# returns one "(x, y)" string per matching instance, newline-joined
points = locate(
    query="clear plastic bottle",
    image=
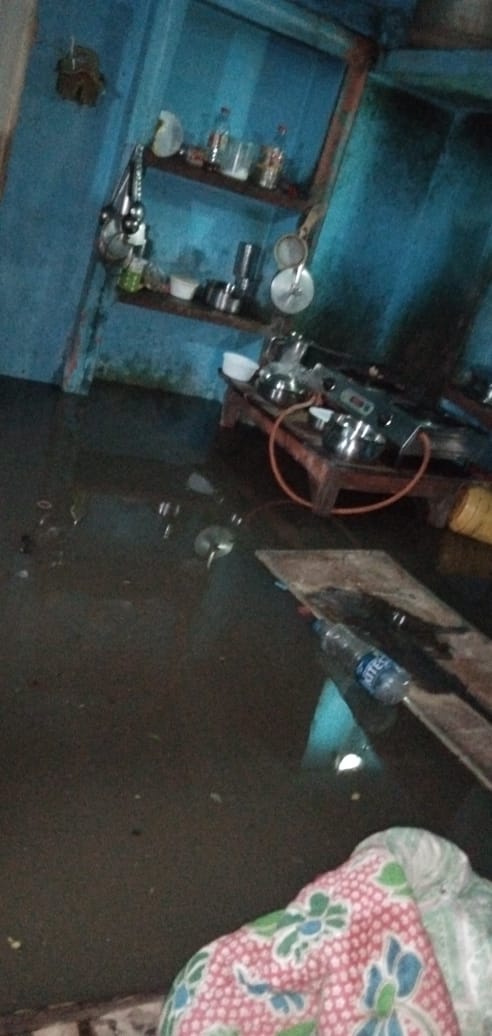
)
(218, 137)
(380, 675)
(271, 160)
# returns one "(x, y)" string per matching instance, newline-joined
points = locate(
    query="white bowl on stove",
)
(319, 417)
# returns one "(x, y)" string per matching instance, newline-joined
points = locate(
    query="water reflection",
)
(339, 734)
(350, 761)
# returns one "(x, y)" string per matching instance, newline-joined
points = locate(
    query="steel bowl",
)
(221, 295)
(287, 348)
(352, 440)
(282, 386)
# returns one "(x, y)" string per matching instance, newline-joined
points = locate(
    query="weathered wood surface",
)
(177, 166)
(80, 1019)
(18, 25)
(464, 730)
(192, 310)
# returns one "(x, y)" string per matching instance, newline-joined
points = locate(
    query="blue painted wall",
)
(479, 345)
(401, 262)
(66, 159)
(405, 249)
(195, 230)
(388, 167)
(387, 21)
(63, 159)
(443, 276)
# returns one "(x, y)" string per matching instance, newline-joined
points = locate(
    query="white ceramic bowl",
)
(182, 287)
(239, 367)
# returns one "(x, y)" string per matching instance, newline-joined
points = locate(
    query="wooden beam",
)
(18, 26)
(361, 60)
(20, 1023)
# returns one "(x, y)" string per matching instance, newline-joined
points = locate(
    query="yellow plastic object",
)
(472, 514)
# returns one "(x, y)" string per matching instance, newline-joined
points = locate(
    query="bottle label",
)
(372, 666)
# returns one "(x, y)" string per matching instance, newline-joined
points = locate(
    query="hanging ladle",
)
(295, 289)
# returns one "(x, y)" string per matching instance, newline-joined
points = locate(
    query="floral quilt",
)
(350, 956)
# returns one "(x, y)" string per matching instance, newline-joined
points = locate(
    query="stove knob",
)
(385, 418)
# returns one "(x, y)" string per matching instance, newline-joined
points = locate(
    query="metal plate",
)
(290, 291)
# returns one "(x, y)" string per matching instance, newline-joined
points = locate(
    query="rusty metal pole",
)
(360, 59)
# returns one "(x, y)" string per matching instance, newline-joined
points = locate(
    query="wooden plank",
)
(480, 411)
(343, 118)
(176, 166)
(163, 303)
(465, 731)
(30, 1021)
(18, 24)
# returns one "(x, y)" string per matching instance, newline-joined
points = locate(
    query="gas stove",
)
(400, 419)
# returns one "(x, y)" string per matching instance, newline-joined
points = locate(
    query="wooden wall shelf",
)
(177, 166)
(164, 303)
(481, 411)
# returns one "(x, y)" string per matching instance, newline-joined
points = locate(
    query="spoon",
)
(213, 542)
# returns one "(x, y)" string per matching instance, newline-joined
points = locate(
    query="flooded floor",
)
(170, 743)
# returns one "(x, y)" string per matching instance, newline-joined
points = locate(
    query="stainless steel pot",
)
(284, 386)
(352, 440)
(220, 295)
(288, 348)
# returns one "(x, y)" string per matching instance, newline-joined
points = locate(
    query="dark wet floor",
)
(164, 777)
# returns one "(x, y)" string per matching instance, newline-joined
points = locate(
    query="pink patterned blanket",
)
(348, 957)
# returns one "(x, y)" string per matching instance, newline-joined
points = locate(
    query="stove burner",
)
(400, 418)
(374, 377)
(427, 416)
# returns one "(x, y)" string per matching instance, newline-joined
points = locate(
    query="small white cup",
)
(182, 287)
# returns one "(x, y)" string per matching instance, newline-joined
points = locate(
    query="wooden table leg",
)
(324, 491)
(231, 409)
(440, 507)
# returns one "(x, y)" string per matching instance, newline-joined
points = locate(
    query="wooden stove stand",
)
(326, 475)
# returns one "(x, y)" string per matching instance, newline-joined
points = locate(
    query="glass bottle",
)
(271, 161)
(218, 137)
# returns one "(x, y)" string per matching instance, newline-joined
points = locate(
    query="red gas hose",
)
(366, 508)
(271, 452)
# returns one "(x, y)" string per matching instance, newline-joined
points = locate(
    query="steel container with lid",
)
(286, 348)
(284, 385)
